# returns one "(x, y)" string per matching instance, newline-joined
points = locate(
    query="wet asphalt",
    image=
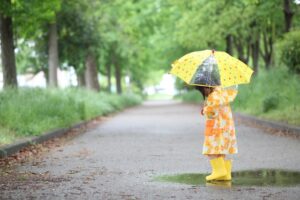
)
(120, 158)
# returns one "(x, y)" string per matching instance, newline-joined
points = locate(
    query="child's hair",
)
(201, 90)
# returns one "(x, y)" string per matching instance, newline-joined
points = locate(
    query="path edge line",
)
(286, 128)
(15, 147)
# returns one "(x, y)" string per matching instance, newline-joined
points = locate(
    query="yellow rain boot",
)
(218, 169)
(227, 177)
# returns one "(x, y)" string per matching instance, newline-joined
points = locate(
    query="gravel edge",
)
(10, 149)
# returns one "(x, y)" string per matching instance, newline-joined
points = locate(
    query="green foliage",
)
(191, 96)
(143, 36)
(272, 95)
(129, 38)
(34, 111)
(31, 57)
(76, 34)
(289, 48)
(179, 84)
(270, 102)
(30, 16)
(6, 136)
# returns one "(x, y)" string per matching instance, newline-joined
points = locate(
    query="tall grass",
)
(273, 95)
(26, 112)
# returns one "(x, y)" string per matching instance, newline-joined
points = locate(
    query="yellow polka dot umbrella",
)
(211, 68)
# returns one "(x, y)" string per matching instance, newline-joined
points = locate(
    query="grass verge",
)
(30, 112)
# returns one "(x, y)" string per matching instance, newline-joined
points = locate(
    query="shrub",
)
(191, 96)
(272, 94)
(270, 103)
(289, 50)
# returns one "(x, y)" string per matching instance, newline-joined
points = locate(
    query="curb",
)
(289, 129)
(10, 149)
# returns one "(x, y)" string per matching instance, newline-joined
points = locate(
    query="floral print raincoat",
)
(219, 131)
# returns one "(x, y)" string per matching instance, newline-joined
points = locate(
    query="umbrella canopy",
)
(211, 68)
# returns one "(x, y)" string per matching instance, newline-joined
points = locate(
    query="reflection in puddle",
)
(264, 177)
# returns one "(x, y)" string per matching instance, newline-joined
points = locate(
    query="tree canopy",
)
(138, 39)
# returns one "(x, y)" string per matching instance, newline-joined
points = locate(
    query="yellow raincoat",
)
(219, 131)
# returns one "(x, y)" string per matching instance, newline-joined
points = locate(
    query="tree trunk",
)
(288, 14)
(248, 51)
(240, 50)
(118, 75)
(7, 51)
(53, 55)
(268, 49)
(229, 48)
(45, 70)
(254, 45)
(108, 71)
(91, 73)
(255, 54)
(80, 78)
(108, 65)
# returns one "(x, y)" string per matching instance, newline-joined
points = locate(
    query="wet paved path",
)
(119, 158)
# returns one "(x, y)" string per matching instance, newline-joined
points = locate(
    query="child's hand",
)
(202, 111)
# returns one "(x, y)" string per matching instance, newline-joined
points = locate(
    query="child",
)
(220, 137)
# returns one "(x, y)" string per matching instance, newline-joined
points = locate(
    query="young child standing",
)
(220, 139)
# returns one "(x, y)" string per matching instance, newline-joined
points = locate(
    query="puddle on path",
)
(263, 177)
